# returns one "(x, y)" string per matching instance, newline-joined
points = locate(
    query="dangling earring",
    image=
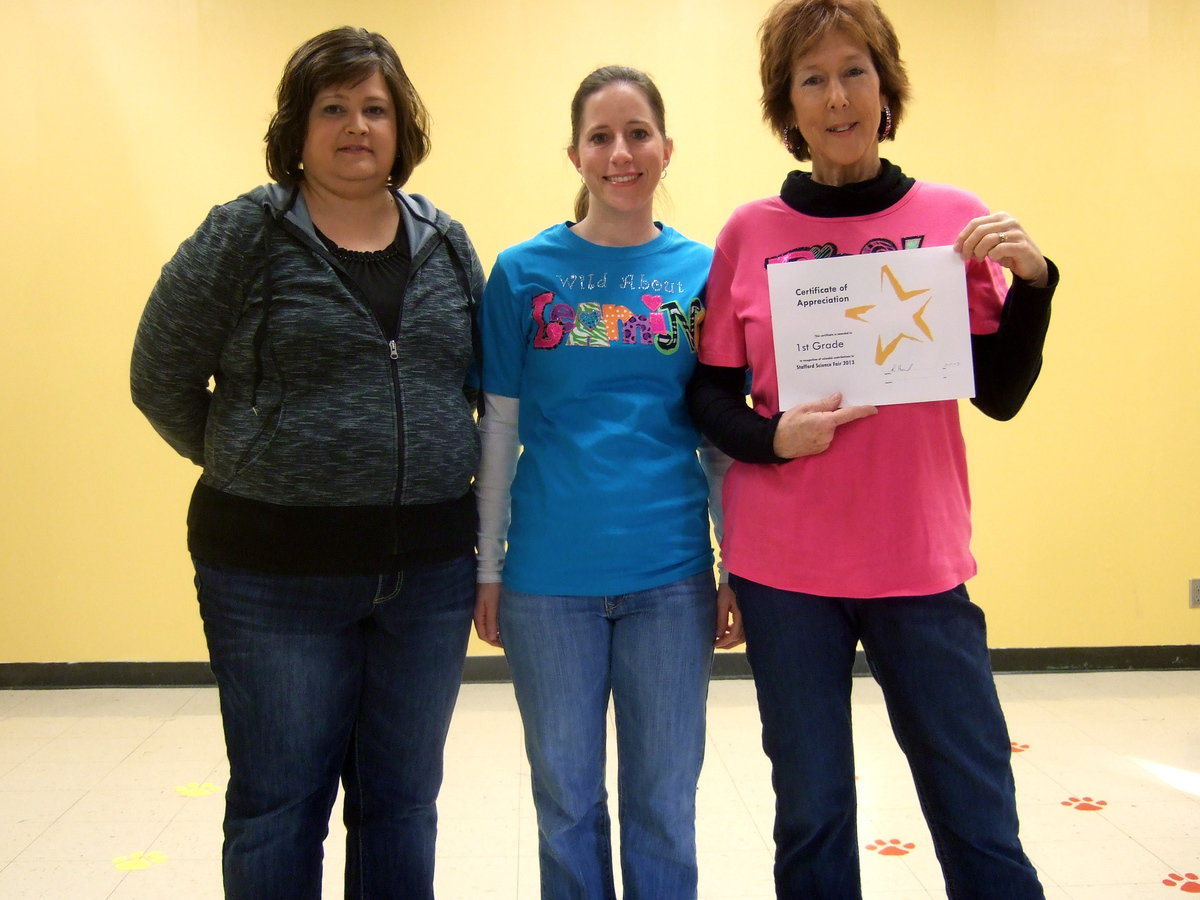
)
(664, 171)
(885, 123)
(792, 139)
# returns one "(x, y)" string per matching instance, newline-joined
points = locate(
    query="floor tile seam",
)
(930, 889)
(1117, 830)
(117, 887)
(1102, 737)
(4, 772)
(17, 855)
(25, 697)
(83, 792)
(767, 840)
(151, 846)
(1041, 770)
(39, 742)
(1191, 866)
(1109, 879)
(711, 749)
(1047, 881)
(1136, 782)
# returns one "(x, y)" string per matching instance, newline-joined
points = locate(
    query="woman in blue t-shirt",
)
(590, 471)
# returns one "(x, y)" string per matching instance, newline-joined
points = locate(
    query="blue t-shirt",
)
(598, 344)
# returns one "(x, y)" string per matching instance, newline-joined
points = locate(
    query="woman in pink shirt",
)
(849, 524)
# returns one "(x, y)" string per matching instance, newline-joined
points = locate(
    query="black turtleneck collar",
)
(862, 198)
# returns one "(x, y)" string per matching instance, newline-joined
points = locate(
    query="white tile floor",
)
(117, 793)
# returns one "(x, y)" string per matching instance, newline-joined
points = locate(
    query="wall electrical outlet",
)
(1194, 593)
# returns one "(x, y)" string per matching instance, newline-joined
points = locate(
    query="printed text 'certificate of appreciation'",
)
(881, 328)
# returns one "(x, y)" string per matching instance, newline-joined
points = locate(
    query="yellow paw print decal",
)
(196, 789)
(139, 860)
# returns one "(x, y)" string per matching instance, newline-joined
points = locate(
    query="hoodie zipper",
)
(392, 343)
(417, 261)
(394, 353)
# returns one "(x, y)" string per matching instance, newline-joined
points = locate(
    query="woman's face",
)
(350, 144)
(621, 152)
(837, 104)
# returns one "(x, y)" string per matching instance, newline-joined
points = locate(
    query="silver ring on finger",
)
(1003, 237)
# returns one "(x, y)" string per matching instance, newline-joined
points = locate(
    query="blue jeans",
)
(930, 657)
(652, 650)
(324, 678)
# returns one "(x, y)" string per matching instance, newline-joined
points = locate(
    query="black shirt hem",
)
(225, 529)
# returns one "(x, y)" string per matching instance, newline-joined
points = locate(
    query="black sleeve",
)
(1007, 362)
(716, 398)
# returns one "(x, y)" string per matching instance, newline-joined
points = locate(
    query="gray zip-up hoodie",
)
(312, 404)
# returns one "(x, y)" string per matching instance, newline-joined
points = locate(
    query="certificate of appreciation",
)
(881, 328)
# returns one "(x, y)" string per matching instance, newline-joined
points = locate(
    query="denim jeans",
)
(930, 657)
(324, 678)
(652, 650)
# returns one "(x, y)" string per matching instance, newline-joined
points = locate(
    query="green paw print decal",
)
(197, 789)
(139, 860)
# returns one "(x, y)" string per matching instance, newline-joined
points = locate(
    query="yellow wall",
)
(125, 120)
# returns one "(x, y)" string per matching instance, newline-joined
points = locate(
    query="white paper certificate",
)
(881, 328)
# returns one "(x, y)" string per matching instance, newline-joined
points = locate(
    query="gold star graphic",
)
(859, 314)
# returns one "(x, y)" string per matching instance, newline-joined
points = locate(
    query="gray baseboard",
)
(482, 669)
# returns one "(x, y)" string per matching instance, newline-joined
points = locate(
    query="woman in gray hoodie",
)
(333, 525)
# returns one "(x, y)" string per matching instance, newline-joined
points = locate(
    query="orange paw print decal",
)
(891, 848)
(1085, 804)
(1019, 748)
(1189, 883)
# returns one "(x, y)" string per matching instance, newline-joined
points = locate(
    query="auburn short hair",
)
(342, 56)
(793, 27)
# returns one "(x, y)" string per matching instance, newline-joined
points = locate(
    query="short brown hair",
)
(793, 27)
(342, 56)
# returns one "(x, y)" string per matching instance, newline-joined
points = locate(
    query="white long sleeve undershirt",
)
(493, 483)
